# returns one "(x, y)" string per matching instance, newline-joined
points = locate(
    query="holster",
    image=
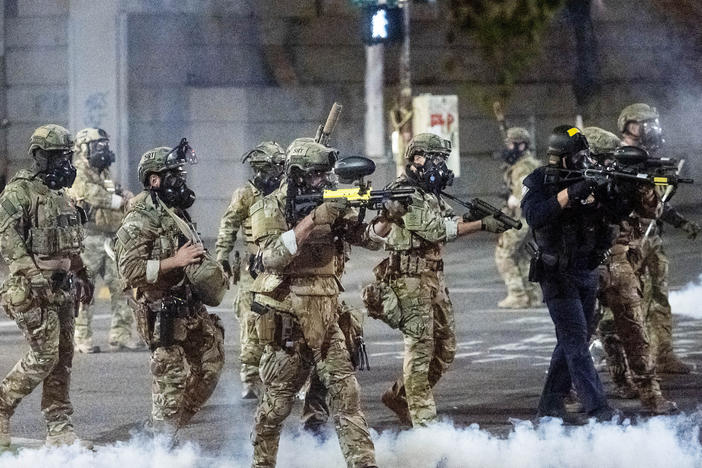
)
(536, 268)
(61, 280)
(276, 327)
(143, 319)
(171, 308)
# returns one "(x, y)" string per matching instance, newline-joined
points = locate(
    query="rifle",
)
(633, 158)
(350, 169)
(324, 132)
(479, 209)
(610, 174)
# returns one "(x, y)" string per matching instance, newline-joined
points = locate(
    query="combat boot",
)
(65, 438)
(518, 300)
(127, 345)
(5, 438)
(652, 399)
(669, 363)
(398, 407)
(86, 348)
(535, 299)
(626, 391)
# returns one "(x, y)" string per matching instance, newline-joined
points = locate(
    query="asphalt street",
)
(498, 373)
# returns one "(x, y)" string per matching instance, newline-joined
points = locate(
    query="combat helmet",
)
(85, 136)
(600, 140)
(164, 158)
(50, 137)
(638, 112)
(264, 154)
(429, 143)
(568, 143)
(518, 135)
(306, 155)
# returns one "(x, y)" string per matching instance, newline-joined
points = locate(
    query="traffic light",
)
(381, 24)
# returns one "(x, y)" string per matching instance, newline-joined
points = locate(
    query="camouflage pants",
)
(512, 261)
(185, 374)
(659, 316)
(284, 372)
(622, 294)
(49, 332)
(251, 349)
(428, 327)
(99, 264)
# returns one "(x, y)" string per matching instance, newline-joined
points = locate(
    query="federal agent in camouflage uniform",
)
(159, 253)
(623, 330)
(410, 292)
(40, 240)
(639, 126)
(296, 296)
(267, 161)
(511, 257)
(104, 204)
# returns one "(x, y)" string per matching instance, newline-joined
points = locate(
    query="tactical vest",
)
(56, 227)
(247, 227)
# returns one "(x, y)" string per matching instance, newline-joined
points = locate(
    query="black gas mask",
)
(54, 168)
(434, 175)
(579, 160)
(512, 154)
(99, 155)
(651, 135)
(267, 177)
(174, 191)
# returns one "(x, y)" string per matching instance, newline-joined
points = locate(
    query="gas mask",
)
(434, 175)
(267, 177)
(314, 181)
(173, 190)
(651, 135)
(512, 154)
(99, 155)
(54, 168)
(580, 160)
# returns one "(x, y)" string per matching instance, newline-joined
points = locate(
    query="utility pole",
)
(401, 114)
(374, 126)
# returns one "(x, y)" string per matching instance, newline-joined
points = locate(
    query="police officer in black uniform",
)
(571, 222)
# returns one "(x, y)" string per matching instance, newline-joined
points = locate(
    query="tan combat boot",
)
(652, 399)
(398, 407)
(669, 363)
(85, 348)
(535, 298)
(517, 300)
(67, 437)
(5, 438)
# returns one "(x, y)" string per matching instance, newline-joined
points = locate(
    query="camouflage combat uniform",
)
(415, 299)
(298, 295)
(511, 257)
(235, 218)
(95, 191)
(40, 240)
(184, 374)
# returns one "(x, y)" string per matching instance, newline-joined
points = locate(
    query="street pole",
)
(402, 113)
(374, 130)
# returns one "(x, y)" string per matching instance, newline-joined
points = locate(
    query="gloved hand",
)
(85, 289)
(393, 210)
(492, 224)
(598, 258)
(691, 228)
(227, 269)
(581, 190)
(329, 211)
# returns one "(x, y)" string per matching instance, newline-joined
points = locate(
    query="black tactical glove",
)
(492, 224)
(597, 258)
(85, 289)
(581, 190)
(691, 228)
(227, 268)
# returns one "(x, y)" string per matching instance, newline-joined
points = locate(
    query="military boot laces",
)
(5, 438)
(66, 438)
(653, 400)
(398, 407)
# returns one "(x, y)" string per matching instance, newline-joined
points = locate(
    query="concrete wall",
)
(228, 74)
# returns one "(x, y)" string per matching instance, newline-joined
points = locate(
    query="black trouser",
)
(570, 298)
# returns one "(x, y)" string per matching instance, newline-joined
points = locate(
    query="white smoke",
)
(661, 441)
(687, 301)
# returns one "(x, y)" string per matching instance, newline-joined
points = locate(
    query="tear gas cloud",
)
(687, 300)
(660, 441)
